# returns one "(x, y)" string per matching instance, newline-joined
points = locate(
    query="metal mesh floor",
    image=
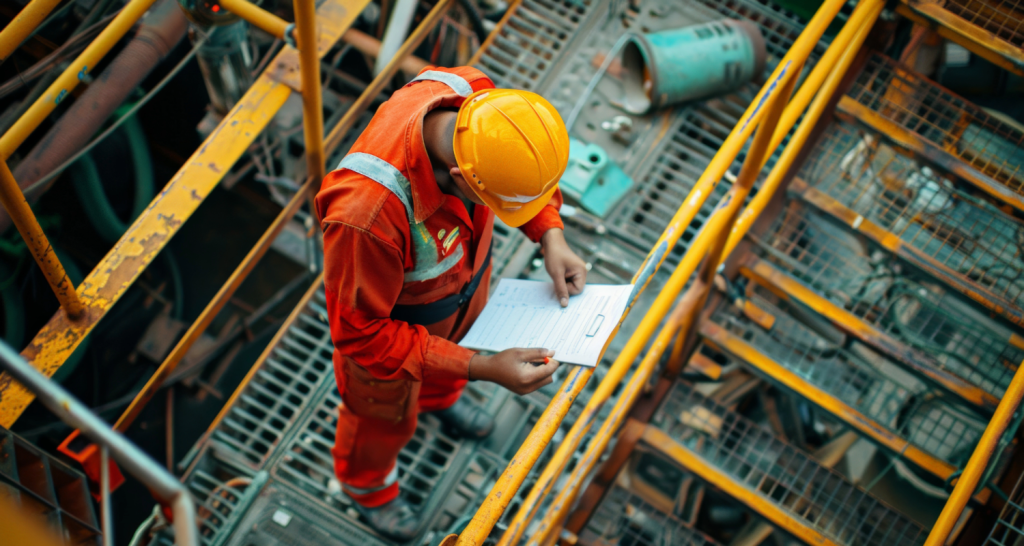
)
(1008, 529)
(990, 145)
(532, 41)
(1003, 18)
(626, 519)
(782, 474)
(282, 388)
(873, 286)
(647, 210)
(862, 379)
(306, 460)
(968, 236)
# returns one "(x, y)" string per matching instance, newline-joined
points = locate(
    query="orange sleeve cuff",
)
(446, 359)
(547, 218)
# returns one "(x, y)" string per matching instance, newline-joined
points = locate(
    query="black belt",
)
(436, 311)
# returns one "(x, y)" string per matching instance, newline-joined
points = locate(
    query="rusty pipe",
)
(158, 34)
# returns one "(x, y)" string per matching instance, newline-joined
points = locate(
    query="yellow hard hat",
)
(512, 148)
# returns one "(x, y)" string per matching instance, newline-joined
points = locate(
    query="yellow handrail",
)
(258, 17)
(77, 71)
(510, 480)
(23, 24)
(692, 301)
(968, 481)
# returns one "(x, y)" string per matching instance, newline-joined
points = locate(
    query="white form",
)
(526, 314)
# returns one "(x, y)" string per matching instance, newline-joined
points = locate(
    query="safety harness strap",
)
(436, 311)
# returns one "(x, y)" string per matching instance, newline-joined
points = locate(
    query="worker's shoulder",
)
(350, 198)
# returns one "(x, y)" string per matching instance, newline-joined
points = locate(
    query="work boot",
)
(467, 419)
(396, 519)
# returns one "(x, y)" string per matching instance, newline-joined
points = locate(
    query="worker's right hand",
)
(521, 371)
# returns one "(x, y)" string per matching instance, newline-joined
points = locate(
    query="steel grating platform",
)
(870, 393)
(980, 147)
(774, 478)
(891, 297)
(918, 212)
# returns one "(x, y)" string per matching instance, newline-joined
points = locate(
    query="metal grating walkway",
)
(531, 42)
(819, 502)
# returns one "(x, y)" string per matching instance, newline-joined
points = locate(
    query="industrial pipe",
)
(77, 71)
(508, 482)
(380, 80)
(23, 24)
(394, 36)
(67, 408)
(370, 46)
(158, 34)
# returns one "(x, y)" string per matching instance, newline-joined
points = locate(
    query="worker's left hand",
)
(567, 270)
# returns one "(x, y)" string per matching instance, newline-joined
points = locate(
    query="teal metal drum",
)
(685, 64)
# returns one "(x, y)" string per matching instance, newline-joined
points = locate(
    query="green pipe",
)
(89, 186)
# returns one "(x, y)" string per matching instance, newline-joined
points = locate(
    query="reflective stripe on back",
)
(383, 173)
(426, 265)
(456, 82)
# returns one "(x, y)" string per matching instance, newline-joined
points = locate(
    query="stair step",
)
(991, 29)
(889, 299)
(913, 358)
(856, 385)
(916, 212)
(955, 134)
(779, 481)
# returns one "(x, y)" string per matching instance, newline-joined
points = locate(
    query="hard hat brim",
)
(520, 216)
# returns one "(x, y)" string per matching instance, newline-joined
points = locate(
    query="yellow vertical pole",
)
(17, 207)
(74, 73)
(23, 24)
(312, 106)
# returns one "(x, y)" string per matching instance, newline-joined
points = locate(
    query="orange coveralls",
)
(391, 237)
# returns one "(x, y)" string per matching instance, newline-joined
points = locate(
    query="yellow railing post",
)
(312, 102)
(23, 24)
(968, 481)
(21, 214)
(77, 71)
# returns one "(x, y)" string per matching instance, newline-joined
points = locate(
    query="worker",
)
(407, 218)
